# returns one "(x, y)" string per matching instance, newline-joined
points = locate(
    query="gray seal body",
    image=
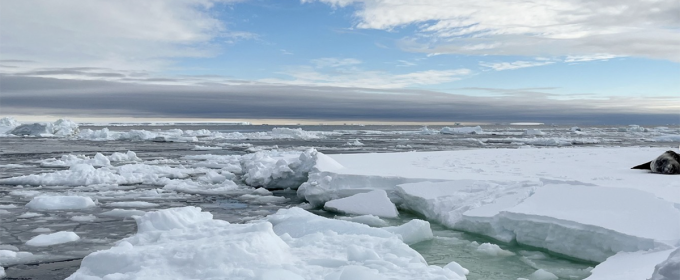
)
(666, 163)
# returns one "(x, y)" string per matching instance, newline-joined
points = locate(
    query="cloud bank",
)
(96, 98)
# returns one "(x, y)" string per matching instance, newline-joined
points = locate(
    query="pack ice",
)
(584, 203)
(293, 244)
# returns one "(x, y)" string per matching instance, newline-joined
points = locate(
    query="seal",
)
(666, 163)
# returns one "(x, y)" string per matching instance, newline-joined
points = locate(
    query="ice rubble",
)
(7, 124)
(584, 203)
(461, 130)
(98, 160)
(185, 243)
(61, 127)
(371, 203)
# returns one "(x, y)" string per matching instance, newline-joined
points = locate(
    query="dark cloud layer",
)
(41, 96)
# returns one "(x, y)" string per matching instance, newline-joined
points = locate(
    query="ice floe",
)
(585, 203)
(185, 243)
(47, 203)
(461, 130)
(371, 203)
(53, 239)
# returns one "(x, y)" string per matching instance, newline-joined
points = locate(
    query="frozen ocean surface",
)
(79, 189)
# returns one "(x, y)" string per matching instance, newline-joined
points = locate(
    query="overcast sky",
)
(556, 61)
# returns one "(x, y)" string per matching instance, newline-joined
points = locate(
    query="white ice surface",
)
(122, 213)
(582, 202)
(52, 239)
(370, 220)
(461, 130)
(134, 204)
(61, 128)
(185, 243)
(627, 265)
(47, 203)
(371, 203)
(668, 269)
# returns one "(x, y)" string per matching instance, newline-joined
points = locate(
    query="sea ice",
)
(492, 250)
(61, 128)
(48, 203)
(133, 204)
(542, 275)
(52, 239)
(413, 231)
(461, 130)
(668, 269)
(274, 169)
(371, 203)
(84, 218)
(369, 220)
(585, 203)
(185, 243)
(122, 213)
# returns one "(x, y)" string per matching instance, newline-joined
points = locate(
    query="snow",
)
(371, 203)
(584, 203)
(185, 243)
(461, 130)
(49, 203)
(52, 239)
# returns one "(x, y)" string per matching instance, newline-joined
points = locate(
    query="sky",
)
(551, 61)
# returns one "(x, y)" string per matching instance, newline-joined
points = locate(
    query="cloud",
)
(354, 77)
(126, 34)
(96, 98)
(532, 28)
(584, 58)
(500, 66)
(334, 62)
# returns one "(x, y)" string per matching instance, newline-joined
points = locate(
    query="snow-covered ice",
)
(585, 203)
(371, 203)
(132, 204)
(47, 203)
(461, 130)
(53, 239)
(185, 243)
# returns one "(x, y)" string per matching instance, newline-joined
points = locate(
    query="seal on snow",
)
(666, 163)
